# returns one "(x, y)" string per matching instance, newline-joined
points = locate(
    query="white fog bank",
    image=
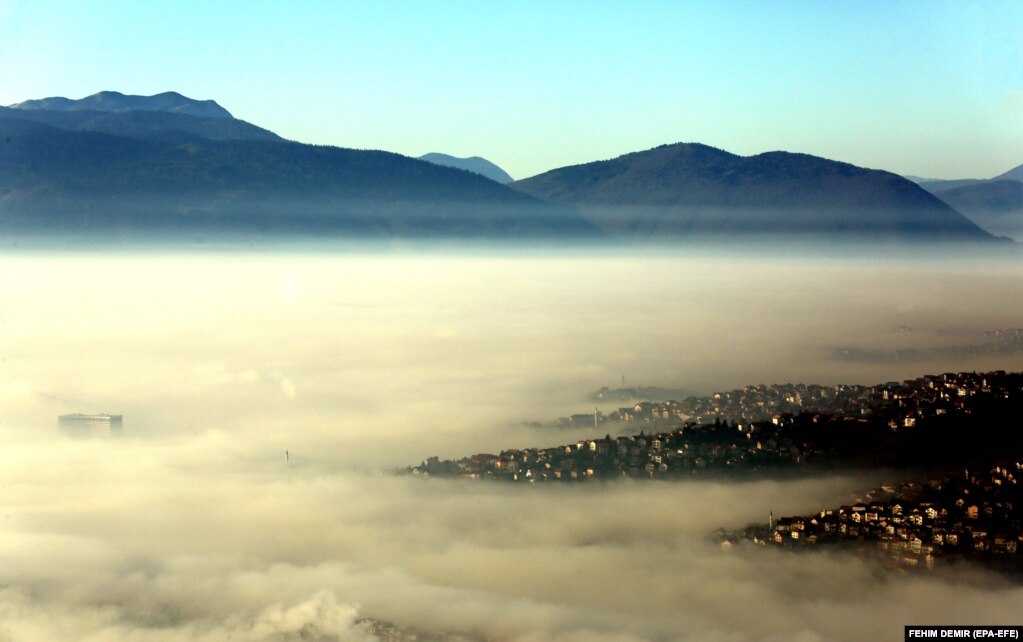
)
(195, 526)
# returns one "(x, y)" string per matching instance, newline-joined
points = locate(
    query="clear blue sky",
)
(926, 88)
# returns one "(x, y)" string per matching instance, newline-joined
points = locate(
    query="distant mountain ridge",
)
(995, 205)
(690, 189)
(64, 181)
(935, 186)
(472, 164)
(168, 116)
(1014, 174)
(938, 184)
(113, 101)
(145, 124)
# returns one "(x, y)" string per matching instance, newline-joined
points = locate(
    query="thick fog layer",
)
(196, 526)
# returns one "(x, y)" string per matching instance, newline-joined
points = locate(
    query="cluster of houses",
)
(814, 436)
(935, 395)
(967, 513)
(686, 450)
(752, 403)
(930, 395)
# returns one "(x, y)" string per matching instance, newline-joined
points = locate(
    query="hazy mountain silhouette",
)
(55, 180)
(471, 164)
(113, 101)
(151, 125)
(995, 205)
(935, 186)
(1015, 174)
(167, 163)
(692, 189)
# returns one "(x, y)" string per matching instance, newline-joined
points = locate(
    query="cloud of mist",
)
(126, 541)
(196, 527)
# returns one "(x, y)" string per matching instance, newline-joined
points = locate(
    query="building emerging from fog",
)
(81, 425)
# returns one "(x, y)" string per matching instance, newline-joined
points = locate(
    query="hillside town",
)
(960, 427)
(969, 513)
(752, 403)
(915, 422)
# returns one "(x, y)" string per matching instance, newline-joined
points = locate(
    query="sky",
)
(930, 89)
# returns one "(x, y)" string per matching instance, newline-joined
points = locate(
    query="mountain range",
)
(166, 164)
(143, 171)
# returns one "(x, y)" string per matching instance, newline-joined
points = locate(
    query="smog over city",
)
(509, 323)
(197, 525)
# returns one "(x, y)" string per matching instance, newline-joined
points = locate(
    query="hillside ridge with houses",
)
(928, 421)
(939, 426)
(973, 513)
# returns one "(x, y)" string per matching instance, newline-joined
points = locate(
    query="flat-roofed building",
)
(82, 425)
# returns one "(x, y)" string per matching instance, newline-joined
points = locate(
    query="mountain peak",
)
(1014, 174)
(475, 164)
(115, 101)
(689, 188)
